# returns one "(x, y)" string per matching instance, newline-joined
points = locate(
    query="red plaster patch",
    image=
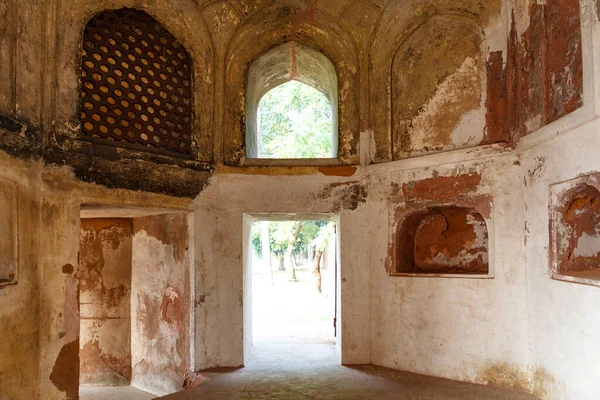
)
(441, 188)
(496, 129)
(65, 373)
(445, 240)
(551, 83)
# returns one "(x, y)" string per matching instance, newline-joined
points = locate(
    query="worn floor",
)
(112, 393)
(297, 370)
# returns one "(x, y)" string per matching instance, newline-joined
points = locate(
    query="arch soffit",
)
(399, 25)
(191, 32)
(273, 68)
(311, 33)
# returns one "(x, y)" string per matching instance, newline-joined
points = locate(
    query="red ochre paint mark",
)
(65, 373)
(307, 15)
(171, 308)
(294, 69)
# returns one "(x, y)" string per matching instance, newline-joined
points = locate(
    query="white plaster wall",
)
(564, 316)
(456, 328)
(219, 216)
(159, 341)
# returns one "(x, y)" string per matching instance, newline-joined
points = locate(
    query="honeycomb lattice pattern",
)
(136, 83)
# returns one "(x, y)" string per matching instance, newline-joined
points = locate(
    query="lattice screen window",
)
(136, 84)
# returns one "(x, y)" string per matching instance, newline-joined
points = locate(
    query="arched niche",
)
(442, 240)
(267, 29)
(437, 82)
(72, 17)
(576, 230)
(286, 62)
(394, 29)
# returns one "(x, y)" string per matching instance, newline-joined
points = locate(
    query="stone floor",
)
(296, 370)
(112, 393)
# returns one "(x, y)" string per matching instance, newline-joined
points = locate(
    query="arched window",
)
(292, 105)
(135, 84)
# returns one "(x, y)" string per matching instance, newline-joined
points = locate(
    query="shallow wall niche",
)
(289, 61)
(437, 87)
(441, 240)
(575, 230)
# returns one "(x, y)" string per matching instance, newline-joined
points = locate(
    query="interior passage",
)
(295, 370)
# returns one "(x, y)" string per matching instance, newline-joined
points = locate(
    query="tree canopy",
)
(295, 121)
(280, 233)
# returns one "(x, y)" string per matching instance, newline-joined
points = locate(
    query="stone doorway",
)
(291, 296)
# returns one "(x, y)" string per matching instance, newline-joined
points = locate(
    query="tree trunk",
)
(281, 262)
(317, 269)
(266, 247)
(290, 250)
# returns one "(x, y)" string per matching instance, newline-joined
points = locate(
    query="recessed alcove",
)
(575, 230)
(445, 240)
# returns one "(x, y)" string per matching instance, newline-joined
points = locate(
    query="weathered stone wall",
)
(563, 309)
(458, 326)
(105, 257)
(19, 302)
(518, 73)
(425, 76)
(59, 323)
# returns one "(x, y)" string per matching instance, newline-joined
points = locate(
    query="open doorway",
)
(291, 283)
(135, 309)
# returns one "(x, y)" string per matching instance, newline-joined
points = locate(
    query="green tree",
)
(295, 121)
(288, 239)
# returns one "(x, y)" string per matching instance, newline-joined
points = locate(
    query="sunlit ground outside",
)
(288, 308)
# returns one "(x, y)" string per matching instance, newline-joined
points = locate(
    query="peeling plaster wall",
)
(563, 315)
(551, 75)
(436, 88)
(521, 329)
(452, 327)
(19, 303)
(105, 299)
(160, 303)
(219, 215)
